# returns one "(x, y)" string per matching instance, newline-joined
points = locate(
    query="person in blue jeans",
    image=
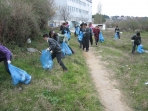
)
(6, 56)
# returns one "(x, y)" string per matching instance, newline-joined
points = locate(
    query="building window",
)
(80, 10)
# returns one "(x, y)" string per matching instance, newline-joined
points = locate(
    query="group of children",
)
(85, 35)
(54, 42)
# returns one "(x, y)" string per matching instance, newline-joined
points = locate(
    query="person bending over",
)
(6, 56)
(56, 50)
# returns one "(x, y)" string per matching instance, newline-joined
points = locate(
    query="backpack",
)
(61, 37)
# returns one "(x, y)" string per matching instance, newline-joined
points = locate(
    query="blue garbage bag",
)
(116, 36)
(19, 75)
(67, 34)
(46, 60)
(77, 29)
(140, 49)
(80, 36)
(65, 49)
(101, 38)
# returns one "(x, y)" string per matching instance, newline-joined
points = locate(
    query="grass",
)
(130, 69)
(52, 90)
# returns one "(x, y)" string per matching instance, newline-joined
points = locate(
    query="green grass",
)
(132, 81)
(52, 90)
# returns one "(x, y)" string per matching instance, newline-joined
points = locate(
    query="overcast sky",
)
(137, 8)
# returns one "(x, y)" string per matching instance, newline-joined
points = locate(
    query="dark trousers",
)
(75, 34)
(134, 47)
(86, 43)
(5, 64)
(118, 35)
(71, 49)
(96, 40)
(91, 39)
(58, 56)
(81, 43)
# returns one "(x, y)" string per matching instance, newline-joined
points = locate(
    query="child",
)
(54, 35)
(96, 32)
(91, 33)
(136, 39)
(56, 50)
(6, 56)
(117, 30)
(86, 37)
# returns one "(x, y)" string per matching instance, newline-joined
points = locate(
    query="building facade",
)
(80, 11)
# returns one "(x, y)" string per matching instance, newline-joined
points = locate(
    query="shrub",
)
(22, 19)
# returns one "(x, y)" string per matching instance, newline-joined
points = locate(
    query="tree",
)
(99, 16)
(64, 13)
(84, 18)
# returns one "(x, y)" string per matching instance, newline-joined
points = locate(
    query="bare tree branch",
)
(64, 13)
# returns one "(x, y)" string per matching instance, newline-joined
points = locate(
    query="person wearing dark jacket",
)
(136, 39)
(6, 56)
(54, 35)
(56, 50)
(64, 29)
(91, 33)
(86, 37)
(117, 30)
(61, 27)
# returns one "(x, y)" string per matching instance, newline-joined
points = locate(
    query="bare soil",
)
(111, 97)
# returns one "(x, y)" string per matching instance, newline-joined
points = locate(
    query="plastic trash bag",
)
(116, 36)
(101, 38)
(77, 29)
(46, 59)
(19, 75)
(80, 36)
(67, 34)
(140, 49)
(65, 49)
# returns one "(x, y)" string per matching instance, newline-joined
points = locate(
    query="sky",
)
(136, 8)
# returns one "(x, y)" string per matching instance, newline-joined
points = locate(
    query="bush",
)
(22, 19)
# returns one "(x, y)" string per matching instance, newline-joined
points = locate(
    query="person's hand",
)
(51, 52)
(9, 62)
(48, 49)
(132, 40)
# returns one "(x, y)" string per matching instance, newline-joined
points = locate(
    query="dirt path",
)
(109, 96)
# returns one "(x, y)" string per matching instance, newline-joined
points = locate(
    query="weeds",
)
(130, 69)
(51, 90)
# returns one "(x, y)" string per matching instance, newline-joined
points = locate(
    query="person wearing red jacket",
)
(96, 32)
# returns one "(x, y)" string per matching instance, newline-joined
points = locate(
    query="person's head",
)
(90, 24)
(97, 27)
(85, 25)
(45, 36)
(66, 23)
(51, 33)
(117, 26)
(138, 34)
(63, 24)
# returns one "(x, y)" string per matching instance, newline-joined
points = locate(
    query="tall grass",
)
(52, 90)
(130, 69)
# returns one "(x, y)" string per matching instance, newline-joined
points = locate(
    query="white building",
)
(80, 11)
